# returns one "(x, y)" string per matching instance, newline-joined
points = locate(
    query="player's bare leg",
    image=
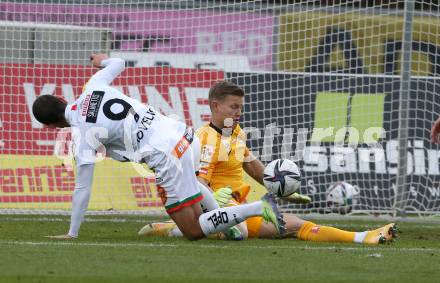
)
(187, 219)
(220, 219)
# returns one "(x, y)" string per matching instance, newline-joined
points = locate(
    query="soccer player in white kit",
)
(104, 118)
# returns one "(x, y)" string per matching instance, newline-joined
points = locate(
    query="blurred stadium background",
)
(349, 91)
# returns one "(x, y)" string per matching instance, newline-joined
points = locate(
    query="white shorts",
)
(175, 167)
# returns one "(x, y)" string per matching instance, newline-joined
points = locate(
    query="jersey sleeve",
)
(112, 68)
(246, 152)
(209, 154)
(248, 156)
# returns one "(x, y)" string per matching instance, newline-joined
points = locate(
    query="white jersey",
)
(104, 118)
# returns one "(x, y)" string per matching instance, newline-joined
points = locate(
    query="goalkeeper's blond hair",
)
(222, 89)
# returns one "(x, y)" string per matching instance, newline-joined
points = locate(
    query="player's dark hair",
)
(223, 88)
(49, 109)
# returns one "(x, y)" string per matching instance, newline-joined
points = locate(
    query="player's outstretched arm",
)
(435, 131)
(80, 201)
(110, 68)
(81, 197)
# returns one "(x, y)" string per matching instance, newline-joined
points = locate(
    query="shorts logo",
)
(315, 230)
(93, 107)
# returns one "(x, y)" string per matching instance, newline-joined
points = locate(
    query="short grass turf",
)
(109, 250)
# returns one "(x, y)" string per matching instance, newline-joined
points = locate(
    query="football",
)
(341, 196)
(282, 177)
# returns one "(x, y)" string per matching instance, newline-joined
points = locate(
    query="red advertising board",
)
(182, 92)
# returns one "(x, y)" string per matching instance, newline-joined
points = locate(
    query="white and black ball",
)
(341, 196)
(282, 177)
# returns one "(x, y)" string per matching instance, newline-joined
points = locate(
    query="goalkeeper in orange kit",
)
(224, 157)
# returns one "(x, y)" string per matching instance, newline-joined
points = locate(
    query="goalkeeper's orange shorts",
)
(253, 223)
(254, 226)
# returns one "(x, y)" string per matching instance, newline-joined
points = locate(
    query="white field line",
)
(59, 219)
(207, 246)
(146, 220)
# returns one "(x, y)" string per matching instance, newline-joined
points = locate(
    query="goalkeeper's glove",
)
(223, 196)
(297, 198)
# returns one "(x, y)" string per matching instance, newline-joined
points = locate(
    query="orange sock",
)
(309, 231)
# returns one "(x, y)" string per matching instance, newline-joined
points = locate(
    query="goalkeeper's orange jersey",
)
(221, 161)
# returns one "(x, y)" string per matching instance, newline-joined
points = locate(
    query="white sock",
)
(359, 237)
(208, 203)
(223, 218)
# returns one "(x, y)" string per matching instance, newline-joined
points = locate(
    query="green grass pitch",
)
(111, 251)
